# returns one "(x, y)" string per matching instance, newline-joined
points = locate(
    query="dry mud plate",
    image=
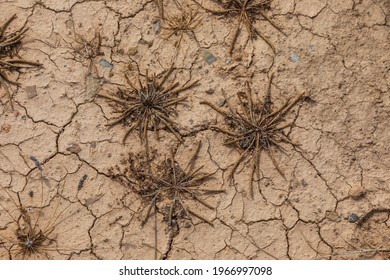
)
(141, 129)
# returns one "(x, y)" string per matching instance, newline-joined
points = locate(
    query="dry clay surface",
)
(334, 202)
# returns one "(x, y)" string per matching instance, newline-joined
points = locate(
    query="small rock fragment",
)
(333, 216)
(36, 162)
(142, 41)
(356, 192)
(105, 63)
(210, 91)
(31, 91)
(156, 26)
(92, 86)
(73, 148)
(294, 57)
(221, 102)
(81, 182)
(209, 57)
(132, 51)
(353, 218)
(5, 128)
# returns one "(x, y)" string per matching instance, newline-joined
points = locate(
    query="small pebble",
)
(221, 102)
(294, 57)
(333, 216)
(210, 91)
(5, 128)
(36, 162)
(132, 51)
(186, 107)
(31, 91)
(142, 41)
(156, 26)
(73, 148)
(81, 182)
(105, 63)
(356, 192)
(353, 218)
(209, 57)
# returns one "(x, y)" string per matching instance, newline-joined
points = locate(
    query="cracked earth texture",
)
(338, 52)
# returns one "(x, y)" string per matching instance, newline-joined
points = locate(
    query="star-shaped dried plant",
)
(168, 183)
(255, 128)
(36, 223)
(22, 234)
(85, 50)
(166, 188)
(9, 43)
(148, 105)
(183, 22)
(88, 49)
(9, 59)
(247, 12)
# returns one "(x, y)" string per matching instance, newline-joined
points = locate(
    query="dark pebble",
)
(221, 102)
(353, 218)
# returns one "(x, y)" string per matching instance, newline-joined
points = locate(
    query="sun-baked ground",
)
(57, 154)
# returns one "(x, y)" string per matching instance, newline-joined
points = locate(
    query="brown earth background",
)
(336, 51)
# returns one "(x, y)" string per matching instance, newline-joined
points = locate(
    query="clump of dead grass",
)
(147, 105)
(246, 12)
(179, 23)
(255, 127)
(10, 61)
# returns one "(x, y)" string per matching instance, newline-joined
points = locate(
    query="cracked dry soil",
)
(56, 151)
